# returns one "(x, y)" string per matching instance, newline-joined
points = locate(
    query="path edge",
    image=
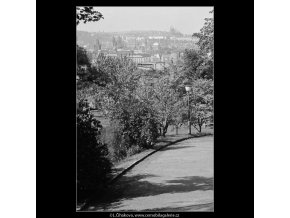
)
(117, 177)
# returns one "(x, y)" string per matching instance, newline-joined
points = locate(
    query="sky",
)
(187, 20)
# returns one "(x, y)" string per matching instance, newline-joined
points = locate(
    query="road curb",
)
(115, 179)
(146, 156)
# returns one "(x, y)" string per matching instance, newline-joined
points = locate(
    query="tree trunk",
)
(199, 128)
(200, 121)
(165, 129)
(164, 132)
(176, 129)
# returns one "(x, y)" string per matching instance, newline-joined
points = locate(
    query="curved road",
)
(176, 178)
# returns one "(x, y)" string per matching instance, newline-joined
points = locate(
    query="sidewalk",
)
(178, 177)
(125, 165)
(122, 167)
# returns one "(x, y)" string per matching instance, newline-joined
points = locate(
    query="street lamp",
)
(187, 89)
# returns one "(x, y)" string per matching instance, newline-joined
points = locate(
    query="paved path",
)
(177, 178)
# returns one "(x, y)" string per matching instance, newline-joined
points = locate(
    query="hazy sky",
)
(185, 19)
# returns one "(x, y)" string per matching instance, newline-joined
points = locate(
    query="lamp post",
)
(188, 88)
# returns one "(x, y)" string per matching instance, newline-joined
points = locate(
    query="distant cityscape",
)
(148, 49)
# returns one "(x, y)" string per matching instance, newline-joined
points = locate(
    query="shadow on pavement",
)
(176, 147)
(130, 187)
(201, 207)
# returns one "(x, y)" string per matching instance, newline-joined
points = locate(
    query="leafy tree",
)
(192, 63)
(83, 64)
(206, 68)
(110, 82)
(93, 167)
(165, 100)
(99, 72)
(139, 125)
(87, 14)
(92, 92)
(120, 75)
(206, 48)
(201, 103)
(196, 65)
(120, 103)
(206, 36)
(162, 99)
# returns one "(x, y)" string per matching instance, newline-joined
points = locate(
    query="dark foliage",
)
(117, 145)
(82, 57)
(197, 65)
(93, 167)
(139, 126)
(87, 72)
(87, 14)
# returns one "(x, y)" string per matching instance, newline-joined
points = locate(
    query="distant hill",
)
(138, 33)
(88, 39)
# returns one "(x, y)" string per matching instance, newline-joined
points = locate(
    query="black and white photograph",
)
(144, 94)
(143, 111)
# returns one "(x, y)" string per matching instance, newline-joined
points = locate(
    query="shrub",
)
(149, 131)
(140, 127)
(134, 130)
(113, 137)
(93, 167)
(119, 143)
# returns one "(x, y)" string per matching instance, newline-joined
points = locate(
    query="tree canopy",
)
(87, 14)
(206, 36)
(198, 64)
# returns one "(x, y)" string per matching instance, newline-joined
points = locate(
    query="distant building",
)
(131, 42)
(151, 66)
(159, 65)
(157, 37)
(140, 38)
(140, 58)
(111, 55)
(166, 58)
(155, 46)
(124, 53)
(184, 38)
(146, 66)
(107, 45)
(138, 52)
(103, 52)
(155, 58)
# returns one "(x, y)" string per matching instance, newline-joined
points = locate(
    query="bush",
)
(113, 137)
(93, 167)
(140, 127)
(119, 143)
(134, 130)
(149, 131)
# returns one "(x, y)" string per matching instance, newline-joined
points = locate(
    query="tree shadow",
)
(168, 138)
(175, 147)
(130, 187)
(200, 207)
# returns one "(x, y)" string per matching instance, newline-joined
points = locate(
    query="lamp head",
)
(187, 88)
